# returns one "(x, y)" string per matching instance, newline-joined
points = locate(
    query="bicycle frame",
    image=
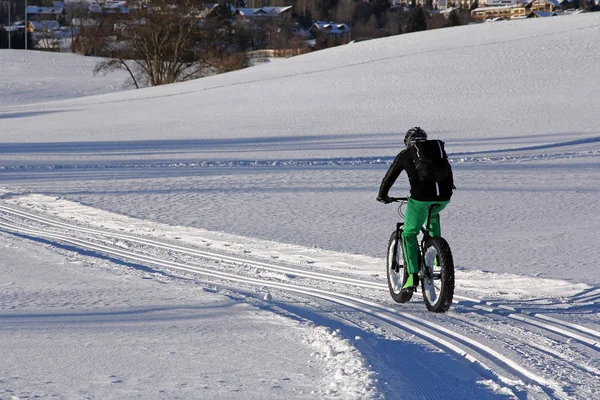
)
(426, 234)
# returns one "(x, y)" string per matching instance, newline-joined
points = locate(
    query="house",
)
(496, 3)
(543, 5)
(94, 9)
(329, 28)
(541, 14)
(115, 7)
(38, 13)
(521, 9)
(264, 12)
(43, 27)
(327, 34)
(498, 13)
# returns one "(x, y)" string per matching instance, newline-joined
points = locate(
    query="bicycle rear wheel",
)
(437, 283)
(396, 273)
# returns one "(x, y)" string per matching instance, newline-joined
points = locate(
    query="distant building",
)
(38, 13)
(43, 26)
(330, 28)
(115, 7)
(521, 9)
(263, 12)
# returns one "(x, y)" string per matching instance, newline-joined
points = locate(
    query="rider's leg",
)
(434, 223)
(415, 217)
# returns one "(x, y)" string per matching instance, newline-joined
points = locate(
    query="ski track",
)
(566, 329)
(316, 162)
(479, 356)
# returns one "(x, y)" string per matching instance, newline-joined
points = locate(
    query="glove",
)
(384, 199)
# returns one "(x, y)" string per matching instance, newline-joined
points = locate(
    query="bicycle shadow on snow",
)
(401, 366)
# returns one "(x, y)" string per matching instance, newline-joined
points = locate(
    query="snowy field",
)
(34, 77)
(278, 166)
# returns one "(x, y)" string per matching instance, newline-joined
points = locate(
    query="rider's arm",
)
(392, 174)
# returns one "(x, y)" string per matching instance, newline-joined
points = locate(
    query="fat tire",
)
(446, 264)
(404, 295)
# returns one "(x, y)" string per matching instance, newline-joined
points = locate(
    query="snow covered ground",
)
(265, 274)
(34, 77)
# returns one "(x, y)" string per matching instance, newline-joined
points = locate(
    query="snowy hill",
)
(34, 77)
(271, 173)
(510, 80)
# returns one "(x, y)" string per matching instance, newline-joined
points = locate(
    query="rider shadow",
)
(402, 366)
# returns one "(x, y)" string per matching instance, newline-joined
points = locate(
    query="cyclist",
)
(423, 194)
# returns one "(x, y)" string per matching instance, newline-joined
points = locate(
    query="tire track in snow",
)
(581, 334)
(462, 348)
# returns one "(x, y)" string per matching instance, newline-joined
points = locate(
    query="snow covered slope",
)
(520, 124)
(260, 185)
(32, 77)
(490, 86)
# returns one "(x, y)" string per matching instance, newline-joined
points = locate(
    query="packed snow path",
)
(517, 348)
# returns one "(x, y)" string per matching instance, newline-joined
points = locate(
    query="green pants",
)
(414, 219)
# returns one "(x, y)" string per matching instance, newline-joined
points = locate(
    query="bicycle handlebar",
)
(398, 199)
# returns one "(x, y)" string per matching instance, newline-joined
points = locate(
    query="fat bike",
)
(436, 266)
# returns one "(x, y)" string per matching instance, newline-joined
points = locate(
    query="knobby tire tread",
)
(446, 262)
(404, 295)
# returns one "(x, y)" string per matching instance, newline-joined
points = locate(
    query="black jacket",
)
(419, 190)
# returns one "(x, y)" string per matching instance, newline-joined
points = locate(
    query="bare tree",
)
(47, 40)
(164, 42)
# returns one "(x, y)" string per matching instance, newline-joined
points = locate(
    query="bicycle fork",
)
(395, 263)
(424, 272)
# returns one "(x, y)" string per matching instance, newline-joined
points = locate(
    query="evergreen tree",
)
(453, 19)
(361, 13)
(416, 21)
(379, 8)
(326, 9)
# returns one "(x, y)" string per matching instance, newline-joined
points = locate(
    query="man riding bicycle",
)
(431, 183)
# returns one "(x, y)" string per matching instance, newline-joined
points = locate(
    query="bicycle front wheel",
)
(396, 273)
(437, 283)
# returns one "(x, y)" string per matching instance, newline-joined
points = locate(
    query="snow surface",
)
(282, 162)
(34, 77)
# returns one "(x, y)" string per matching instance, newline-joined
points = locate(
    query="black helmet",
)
(413, 135)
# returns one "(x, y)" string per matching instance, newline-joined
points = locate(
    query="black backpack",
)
(431, 160)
